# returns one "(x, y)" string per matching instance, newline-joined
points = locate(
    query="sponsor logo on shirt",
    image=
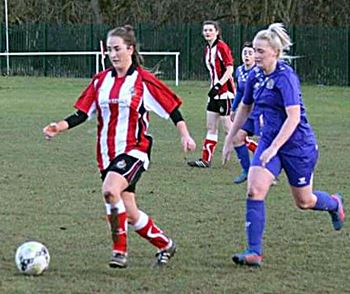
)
(120, 101)
(113, 101)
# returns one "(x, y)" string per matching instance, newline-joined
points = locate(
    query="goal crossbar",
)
(97, 55)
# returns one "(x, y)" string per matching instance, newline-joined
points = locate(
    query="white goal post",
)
(97, 55)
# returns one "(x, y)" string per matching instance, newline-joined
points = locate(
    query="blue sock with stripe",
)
(255, 224)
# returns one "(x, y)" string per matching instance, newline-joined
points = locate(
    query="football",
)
(32, 258)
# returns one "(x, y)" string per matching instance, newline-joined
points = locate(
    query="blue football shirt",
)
(270, 95)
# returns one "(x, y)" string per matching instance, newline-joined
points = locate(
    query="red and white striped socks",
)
(146, 228)
(209, 146)
(121, 230)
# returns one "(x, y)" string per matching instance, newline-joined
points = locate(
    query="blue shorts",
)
(299, 165)
(249, 127)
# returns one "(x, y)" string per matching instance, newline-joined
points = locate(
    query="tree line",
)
(159, 12)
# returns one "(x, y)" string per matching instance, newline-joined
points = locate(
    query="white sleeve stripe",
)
(152, 104)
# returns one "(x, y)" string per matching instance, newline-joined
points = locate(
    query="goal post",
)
(98, 55)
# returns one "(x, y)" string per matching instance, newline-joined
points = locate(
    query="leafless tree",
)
(158, 12)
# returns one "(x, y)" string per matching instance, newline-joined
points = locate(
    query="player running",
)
(287, 141)
(122, 97)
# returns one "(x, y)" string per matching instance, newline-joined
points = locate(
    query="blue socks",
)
(255, 218)
(243, 156)
(325, 201)
(255, 224)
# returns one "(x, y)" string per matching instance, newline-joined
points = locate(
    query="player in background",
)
(219, 62)
(122, 97)
(287, 141)
(241, 141)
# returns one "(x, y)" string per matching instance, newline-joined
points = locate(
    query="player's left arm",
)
(165, 103)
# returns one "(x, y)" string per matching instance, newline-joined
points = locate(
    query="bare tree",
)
(158, 12)
(95, 6)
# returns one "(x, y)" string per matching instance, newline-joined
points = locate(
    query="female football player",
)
(287, 141)
(240, 140)
(219, 62)
(122, 97)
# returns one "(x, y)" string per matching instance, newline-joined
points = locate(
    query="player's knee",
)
(254, 192)
(303, 204)
(257, 190)
(109, 196)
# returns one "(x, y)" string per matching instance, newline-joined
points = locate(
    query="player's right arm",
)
(85, 106)
(54, 128)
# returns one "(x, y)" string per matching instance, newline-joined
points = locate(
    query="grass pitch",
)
(50, 192)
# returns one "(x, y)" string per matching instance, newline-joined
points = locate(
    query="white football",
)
(32, 258)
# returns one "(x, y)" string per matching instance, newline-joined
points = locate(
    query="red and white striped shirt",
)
(122, 107)
(217, 58)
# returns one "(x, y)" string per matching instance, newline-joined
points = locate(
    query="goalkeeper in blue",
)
(287, 141)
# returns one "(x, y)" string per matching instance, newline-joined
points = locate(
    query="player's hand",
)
(232, 115)
(50, 131)
(188, 144)
(227, 151)
(214, 90)
(267, 155)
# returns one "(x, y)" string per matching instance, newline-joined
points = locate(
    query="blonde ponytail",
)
(277, 37)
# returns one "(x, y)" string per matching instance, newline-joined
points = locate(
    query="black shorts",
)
(129, 167)
(220, 106)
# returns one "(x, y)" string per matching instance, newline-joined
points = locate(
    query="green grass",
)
(50, 192)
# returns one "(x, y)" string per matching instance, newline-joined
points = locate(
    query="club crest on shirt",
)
(121, 164)
(270, 84)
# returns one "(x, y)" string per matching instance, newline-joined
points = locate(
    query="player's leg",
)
(209, 143)
(242, 155)
(251, 144)
(121, 175)
(300, 174)
(241, 148)
(112, 188)
(305, 198)
(211, 139)
(259, 182)
(147, 229)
